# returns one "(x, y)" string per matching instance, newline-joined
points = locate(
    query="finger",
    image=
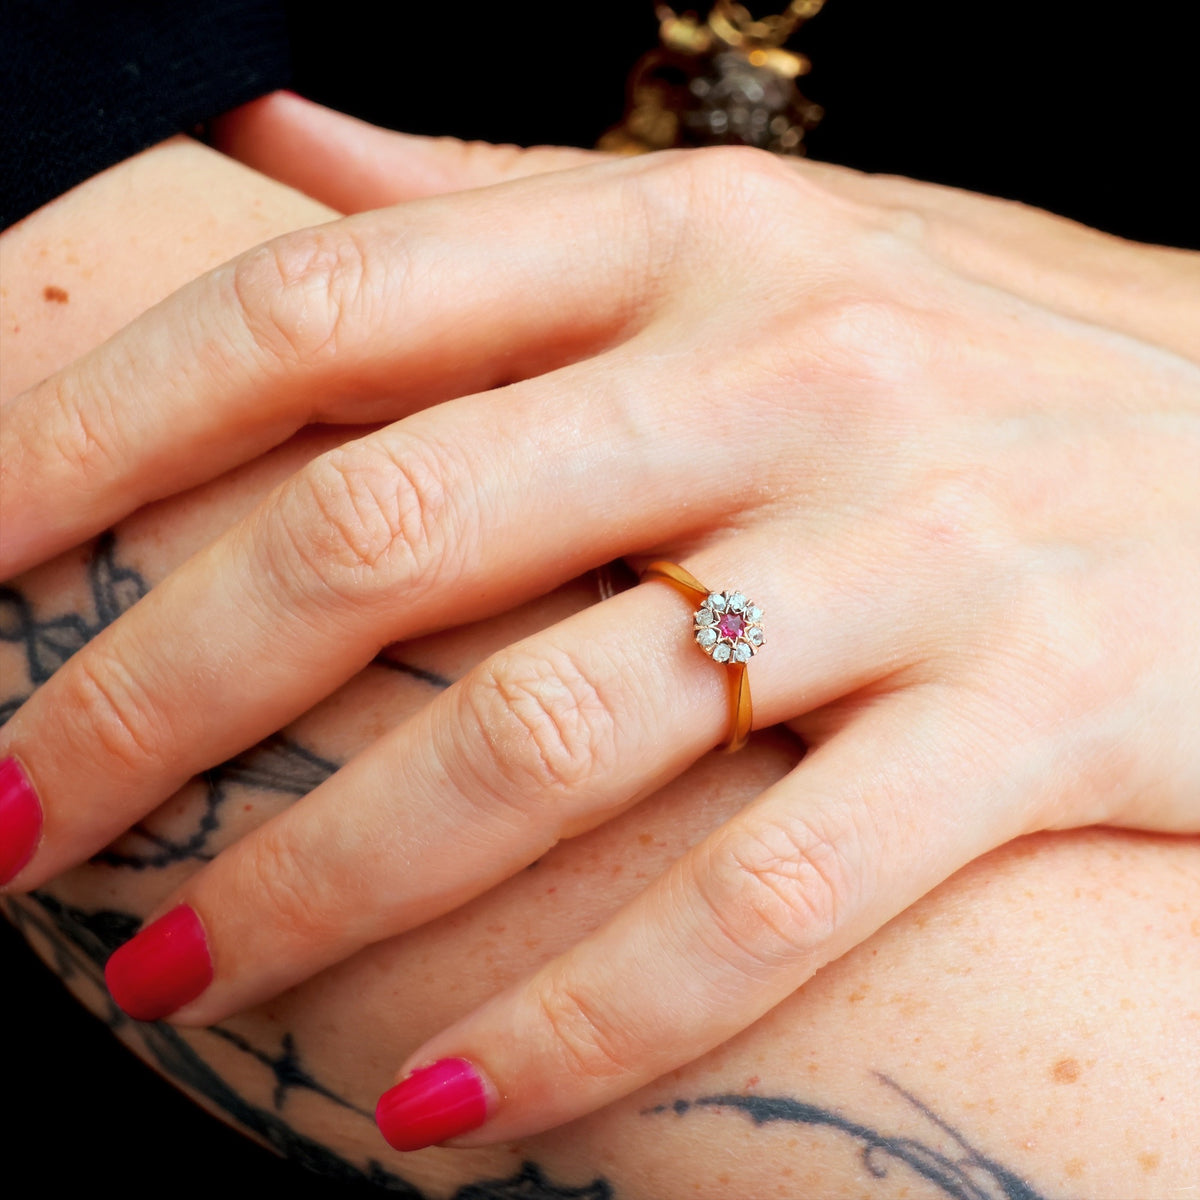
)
(417, 527)
(358, 321)
(544, 740)
(863, 827)
(352, 165)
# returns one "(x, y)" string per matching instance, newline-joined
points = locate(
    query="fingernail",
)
(435, 1103)
(20, 819)
(161, 969)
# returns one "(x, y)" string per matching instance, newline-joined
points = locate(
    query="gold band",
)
(741, 711)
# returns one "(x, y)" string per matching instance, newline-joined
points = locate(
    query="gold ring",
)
(728, 628)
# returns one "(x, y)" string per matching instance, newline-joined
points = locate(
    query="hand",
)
(929, 433)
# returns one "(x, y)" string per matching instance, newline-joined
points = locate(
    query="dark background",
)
(81, 1116)
(1085, 109)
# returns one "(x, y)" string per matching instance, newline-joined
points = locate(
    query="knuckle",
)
(691, 200)
(901, 228)
(362, 516)
(298, 296)
(545, 724)
(77, 436)
(734, 181)
(282, 884)
(778, 895)
(887, 233)
(484, 160)
(954, 519)
(591, 1045)
(121, 718)
(874, 342)
(736, 172)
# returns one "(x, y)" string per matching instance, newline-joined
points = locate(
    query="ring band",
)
(726, 627)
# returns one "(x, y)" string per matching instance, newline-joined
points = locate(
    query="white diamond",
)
(705, 617)
(737, 602)
(754, 612)
(755, 635)
(742, 652)
(721, 652)
(706, 637)
(716, 601)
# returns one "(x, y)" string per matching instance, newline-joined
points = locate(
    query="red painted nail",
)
(20, 819)
(432, 1104)
(161, 969)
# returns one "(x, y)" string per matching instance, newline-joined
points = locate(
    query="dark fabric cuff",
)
(86, 85)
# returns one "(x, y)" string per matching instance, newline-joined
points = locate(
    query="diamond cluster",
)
(727, 627)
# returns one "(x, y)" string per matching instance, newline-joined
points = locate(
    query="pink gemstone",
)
(731, 625)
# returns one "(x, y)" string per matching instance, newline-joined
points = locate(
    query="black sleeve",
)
(86, 85)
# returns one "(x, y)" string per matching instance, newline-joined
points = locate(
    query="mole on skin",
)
(55, 295)
(1066, 1070)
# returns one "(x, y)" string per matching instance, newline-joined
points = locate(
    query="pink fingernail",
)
(20, 819)
(161, 969)
(435, 1103)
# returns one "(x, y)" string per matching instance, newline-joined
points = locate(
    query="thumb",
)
(351, 165)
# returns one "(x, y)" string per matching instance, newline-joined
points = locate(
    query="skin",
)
(1086, 888)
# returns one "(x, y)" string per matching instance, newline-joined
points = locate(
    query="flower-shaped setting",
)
(728, 627)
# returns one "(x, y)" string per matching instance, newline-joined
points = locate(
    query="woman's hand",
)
(950, 446)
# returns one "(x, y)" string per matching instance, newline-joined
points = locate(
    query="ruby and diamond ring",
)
(727, 627)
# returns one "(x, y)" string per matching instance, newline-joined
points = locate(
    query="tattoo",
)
(81, 941)
(289, 1071)
(49, 643)
(969, 1175)
(425, 676)
(277, 765)
(530, 1184)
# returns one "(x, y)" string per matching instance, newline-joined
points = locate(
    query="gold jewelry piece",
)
(604, 582)
(728, 628)
(726, 81)
(613, 577)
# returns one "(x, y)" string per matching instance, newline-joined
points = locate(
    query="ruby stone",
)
(731, 625)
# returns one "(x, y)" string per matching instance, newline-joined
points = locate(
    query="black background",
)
(1088, 109)
(1085, 109)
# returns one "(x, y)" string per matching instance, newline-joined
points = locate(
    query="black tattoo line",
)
(973, 1176)
(277, 764)
(530, 1184)
(421, 673)
(290, 1073)
(49, 643)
